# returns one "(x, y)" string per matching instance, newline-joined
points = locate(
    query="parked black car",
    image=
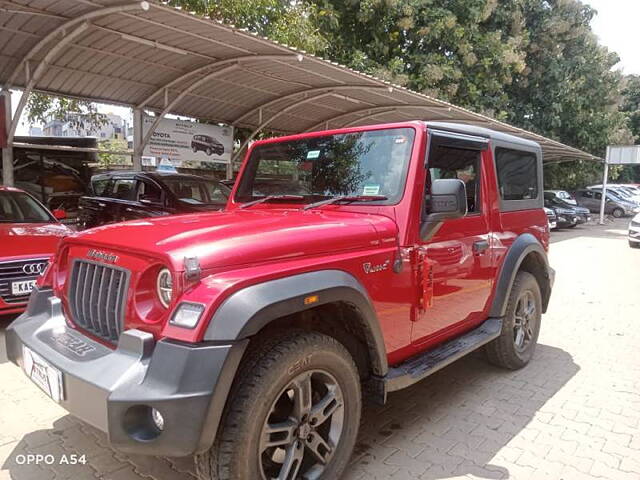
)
(206, 144)
(551, 200)
(120, 196)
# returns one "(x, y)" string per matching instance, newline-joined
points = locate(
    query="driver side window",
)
(452, 163)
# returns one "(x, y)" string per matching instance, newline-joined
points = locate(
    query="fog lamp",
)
(187, 315)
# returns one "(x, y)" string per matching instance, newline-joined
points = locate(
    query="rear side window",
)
(100, 186)
(122, 188)
(518, 179)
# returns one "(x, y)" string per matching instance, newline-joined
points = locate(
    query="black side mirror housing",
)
(448, 200)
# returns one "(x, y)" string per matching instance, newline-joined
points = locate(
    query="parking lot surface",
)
(573, 413)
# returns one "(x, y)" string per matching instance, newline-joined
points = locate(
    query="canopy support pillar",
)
(7, 152)
(138, 119)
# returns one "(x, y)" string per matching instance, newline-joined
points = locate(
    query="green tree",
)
(108, 158)
(41, 108)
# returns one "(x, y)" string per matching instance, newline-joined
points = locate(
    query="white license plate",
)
(43, 374)
(23, 287)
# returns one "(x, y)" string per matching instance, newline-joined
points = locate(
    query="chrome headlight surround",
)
(164, 287)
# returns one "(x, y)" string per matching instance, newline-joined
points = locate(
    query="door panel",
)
(457, 265)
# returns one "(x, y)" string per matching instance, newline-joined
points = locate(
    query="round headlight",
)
(165, 287)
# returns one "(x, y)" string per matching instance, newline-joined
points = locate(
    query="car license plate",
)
(23, 287)
(43, 374)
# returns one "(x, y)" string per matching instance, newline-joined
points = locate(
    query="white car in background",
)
(634, 232)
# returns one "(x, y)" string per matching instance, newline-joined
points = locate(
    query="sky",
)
(616, 25)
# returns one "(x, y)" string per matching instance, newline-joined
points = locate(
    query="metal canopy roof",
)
(156, 57)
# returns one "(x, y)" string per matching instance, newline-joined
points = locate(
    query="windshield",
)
(197, 191)
(564, 195)
(372, 163)
(18, 207)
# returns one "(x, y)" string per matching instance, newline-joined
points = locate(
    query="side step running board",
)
(416, 368)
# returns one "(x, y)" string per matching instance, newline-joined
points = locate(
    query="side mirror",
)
(448, 200)
(59, 214)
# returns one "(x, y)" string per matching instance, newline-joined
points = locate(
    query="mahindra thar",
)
(347, 264)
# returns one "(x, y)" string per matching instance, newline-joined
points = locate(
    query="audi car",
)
(29, 235)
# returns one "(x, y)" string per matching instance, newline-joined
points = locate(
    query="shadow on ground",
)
(454, 423)
(459, 419)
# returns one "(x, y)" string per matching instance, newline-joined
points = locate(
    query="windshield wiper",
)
(346, 199)
(272, 197)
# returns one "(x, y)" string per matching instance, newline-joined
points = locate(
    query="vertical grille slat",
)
(110, 331)
(101, 320)
(93, 293)
(97, 293)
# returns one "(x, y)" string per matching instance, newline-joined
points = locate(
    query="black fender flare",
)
(525, 244)
(247, 311)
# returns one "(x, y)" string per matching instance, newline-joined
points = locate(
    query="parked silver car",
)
(614, 205)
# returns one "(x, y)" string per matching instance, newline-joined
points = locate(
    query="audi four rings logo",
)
(33, 268)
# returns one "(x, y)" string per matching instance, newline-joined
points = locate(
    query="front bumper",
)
(115, 390)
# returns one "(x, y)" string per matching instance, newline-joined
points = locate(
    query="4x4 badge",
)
(371, 268)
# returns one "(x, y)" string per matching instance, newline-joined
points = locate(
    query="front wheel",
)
(618, 213)
(293, 412)
(514, 347)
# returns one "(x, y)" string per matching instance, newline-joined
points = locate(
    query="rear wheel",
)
(293, 413)
(514, 347)
(618, 212)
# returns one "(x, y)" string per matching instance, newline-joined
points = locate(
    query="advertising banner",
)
(187, 143)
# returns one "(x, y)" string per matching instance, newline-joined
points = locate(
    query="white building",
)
(77, 125)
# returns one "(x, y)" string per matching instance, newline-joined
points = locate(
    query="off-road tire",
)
(618, 213)
(502, 351)
(266, 370)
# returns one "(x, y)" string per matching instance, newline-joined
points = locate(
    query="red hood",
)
(238, 237)
(29, 239)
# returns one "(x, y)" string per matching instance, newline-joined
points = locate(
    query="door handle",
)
(100, 204)
(129, 209)
(480, 246)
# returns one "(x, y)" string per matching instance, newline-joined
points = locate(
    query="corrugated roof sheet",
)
(224, 74)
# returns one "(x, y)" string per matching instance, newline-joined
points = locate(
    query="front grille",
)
(97, 297)
(19, 271)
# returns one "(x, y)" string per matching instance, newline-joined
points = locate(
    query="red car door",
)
(457, 261)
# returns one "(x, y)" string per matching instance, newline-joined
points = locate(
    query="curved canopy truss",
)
(148, 55)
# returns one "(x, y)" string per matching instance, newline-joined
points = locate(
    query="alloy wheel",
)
(525, 321)
(303, 428)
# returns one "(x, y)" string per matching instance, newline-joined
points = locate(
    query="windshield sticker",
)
(313, 154)
(371, 190)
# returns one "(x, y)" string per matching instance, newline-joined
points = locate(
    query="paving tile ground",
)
(573, 413)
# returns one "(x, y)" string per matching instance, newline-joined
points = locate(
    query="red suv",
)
(29, 235)
(247, 337)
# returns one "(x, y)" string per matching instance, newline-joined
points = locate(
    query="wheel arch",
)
(282, 302)
(526, 254)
